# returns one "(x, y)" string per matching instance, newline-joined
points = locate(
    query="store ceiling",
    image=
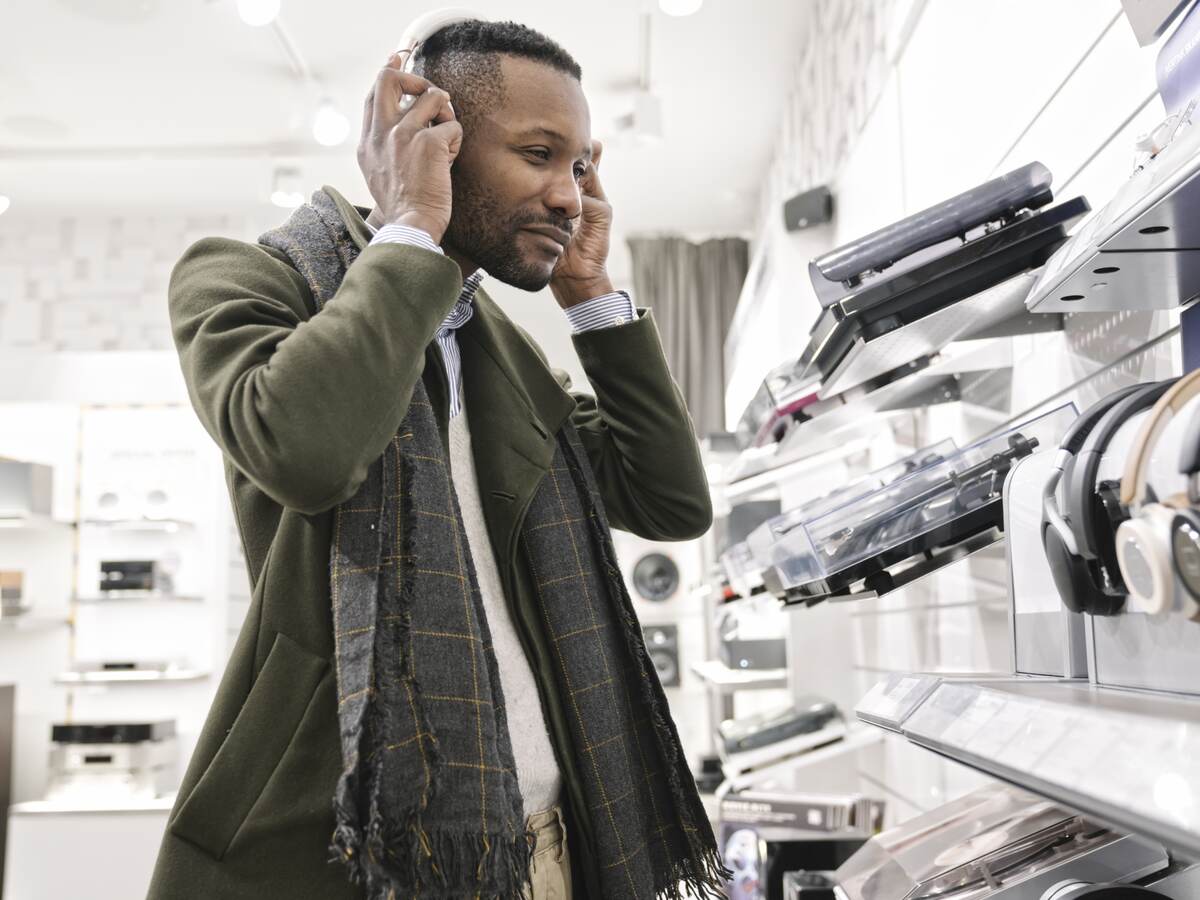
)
(176, 105)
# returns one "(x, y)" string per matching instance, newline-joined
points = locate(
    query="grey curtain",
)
(693, 289)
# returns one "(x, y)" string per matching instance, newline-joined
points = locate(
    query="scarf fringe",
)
(394, 859)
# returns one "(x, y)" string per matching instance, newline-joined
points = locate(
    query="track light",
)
(258, 12)
(330, 127)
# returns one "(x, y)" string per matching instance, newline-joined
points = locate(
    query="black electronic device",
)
(128, 575)
(809, 208)
(936, 521)
(1079, 890)
(111, 732)
(805, 885)
(1080, 542)
(929, 261)
(806, 716)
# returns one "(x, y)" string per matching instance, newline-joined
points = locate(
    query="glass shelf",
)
(33, 523)
(163, 525)
(129, 676)
(25, 623)
(138, 597)
(716, 673)
(1125, 757)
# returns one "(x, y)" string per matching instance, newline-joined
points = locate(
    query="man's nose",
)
(562, 194)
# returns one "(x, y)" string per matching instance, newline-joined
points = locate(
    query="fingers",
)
(590, 183)
(432, 108)
(390, 87)
(452, 133)
(597, 152)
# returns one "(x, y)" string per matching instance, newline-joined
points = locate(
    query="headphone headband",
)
(1088, 419)
(1086, 466)
(425, 26)
(1133, 481)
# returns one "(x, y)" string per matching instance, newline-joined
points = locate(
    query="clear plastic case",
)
(764, 538)
(950, 499)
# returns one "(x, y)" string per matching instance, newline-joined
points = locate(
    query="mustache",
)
(560, 222)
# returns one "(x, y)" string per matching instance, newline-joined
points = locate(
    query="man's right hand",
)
(405, 154)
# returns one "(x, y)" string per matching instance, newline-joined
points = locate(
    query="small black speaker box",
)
(813, 207)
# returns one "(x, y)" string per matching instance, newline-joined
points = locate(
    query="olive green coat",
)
(300, 406)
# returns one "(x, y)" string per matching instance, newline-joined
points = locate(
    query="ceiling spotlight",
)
(4, 201)
(330, 127)
(680, 7)
(286, 188)
(258, 12)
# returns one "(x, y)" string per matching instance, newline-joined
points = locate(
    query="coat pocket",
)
(223, 797)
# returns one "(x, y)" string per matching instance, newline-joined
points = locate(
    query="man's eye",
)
(580, 171)
(540, 154)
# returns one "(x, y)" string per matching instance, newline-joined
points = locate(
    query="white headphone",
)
(424, 27)
(1144, 540)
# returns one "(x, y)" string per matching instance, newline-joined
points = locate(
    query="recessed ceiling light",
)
(330, 127)
(4, 202)
(680, 7)
(258, 12)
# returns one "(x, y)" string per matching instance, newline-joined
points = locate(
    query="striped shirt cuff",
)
(601, 312)
(406, 234)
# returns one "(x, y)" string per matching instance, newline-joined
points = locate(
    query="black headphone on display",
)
(1080, 546)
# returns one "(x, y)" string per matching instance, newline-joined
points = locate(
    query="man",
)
(441, 675)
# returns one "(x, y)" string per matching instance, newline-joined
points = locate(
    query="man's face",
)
(516, 181)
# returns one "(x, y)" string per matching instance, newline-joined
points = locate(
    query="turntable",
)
(999, 843)
(981, 244)
(940, 512)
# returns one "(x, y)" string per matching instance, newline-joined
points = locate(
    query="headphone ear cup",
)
(1185, 552)
(1076, 578)
(1144, 555)
(1064, 569)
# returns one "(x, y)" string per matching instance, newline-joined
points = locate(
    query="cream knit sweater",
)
(537, 770)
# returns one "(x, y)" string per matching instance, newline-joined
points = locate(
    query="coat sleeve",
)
(638, 434)
(300, 403)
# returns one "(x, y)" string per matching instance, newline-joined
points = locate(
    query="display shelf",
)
(137, 597)
(165, 525)
(717, 674)
(1128, 758)
(996, 312)
(26, 623)
(793, 467)
(61, 807)
(34, 523)
(1141, 250)
(130, 676)
(854, 739)
(913, 391)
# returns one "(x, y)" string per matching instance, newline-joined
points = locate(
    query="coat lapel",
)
(515, 407)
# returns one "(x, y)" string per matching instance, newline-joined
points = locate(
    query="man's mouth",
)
(560, 237)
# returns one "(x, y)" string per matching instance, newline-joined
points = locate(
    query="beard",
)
(486, 233)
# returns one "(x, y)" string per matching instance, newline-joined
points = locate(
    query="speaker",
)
(662, 643)
(813, 207)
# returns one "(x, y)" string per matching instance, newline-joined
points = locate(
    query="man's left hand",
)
(582, 272)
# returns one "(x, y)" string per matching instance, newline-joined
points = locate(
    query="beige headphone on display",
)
(1144, 541)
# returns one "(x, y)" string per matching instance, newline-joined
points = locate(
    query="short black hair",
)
(464, 59)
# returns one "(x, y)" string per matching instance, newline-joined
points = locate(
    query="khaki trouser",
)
(550, 872)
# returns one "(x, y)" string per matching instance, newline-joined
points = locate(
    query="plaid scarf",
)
(428, 803)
